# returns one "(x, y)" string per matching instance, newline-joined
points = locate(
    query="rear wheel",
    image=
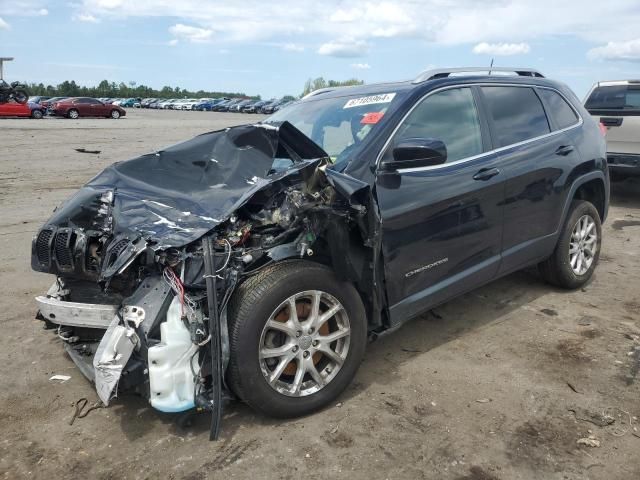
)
(297, 337)
(73, 114)
(578, 249)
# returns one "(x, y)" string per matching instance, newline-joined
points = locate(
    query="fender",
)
(595, 175)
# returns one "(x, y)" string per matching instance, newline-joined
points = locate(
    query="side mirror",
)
(415, 153)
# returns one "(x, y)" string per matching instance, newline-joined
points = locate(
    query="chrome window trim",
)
(483, 154)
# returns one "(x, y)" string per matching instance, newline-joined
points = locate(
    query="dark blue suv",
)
(267, 254)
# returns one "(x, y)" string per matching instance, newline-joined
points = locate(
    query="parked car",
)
(37, 110)
(168, 104)
(15, 109)
(298, 248)
(38, 99)
(208, 105)
(50, 101)
(147, 102)
(87, 107)
(253, 107)
(130, 102)
(616, 105)
(237, 107)
(224, 106)
(269, 107)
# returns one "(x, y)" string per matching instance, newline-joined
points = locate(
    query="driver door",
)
(441, 224)
(96, 108)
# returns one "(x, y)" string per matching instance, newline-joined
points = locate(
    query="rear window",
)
(558, 109)
(517, 114)
(614, 97)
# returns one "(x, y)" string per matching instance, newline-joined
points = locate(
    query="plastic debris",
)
(60, 378)
(589, 441)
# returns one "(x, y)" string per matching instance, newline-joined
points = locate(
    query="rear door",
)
(442, 224)
(617, 107)
(536, 155)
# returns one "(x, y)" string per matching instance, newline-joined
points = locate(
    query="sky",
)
(272, 47)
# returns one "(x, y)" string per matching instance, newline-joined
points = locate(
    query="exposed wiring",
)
(228, 257)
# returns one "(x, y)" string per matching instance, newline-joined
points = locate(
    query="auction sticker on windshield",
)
(370, 100)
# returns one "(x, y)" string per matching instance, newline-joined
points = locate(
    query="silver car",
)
(616, 105)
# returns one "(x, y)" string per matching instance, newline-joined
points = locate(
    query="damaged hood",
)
(174, 196)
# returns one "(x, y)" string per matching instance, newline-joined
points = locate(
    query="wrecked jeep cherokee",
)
(256, 261)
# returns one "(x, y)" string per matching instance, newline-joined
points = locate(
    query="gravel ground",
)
(494, 385)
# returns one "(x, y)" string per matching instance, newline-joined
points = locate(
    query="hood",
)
(174, 196)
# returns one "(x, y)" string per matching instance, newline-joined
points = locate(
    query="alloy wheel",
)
(304, 343)
(583, 245)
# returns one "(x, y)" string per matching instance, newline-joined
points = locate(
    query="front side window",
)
(558, 108)
(517, 114)
(450, 116)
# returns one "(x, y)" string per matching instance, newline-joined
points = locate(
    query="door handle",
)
(486, 173)
(564, 150)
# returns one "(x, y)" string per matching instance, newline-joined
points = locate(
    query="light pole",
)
(2, 60)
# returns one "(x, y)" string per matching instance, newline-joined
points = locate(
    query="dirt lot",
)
(480, 389)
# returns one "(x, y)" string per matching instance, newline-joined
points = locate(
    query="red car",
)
(86, 107)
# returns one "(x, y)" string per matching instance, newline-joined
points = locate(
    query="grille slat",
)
(64, 256)
(43, 247)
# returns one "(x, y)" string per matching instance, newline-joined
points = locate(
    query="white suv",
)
(616, 105)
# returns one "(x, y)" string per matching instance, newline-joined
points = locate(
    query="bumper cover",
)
(624, 163)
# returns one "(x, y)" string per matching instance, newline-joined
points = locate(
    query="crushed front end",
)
(148, 253)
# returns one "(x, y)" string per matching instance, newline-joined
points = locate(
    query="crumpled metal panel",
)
(112, 355)
(175, 196)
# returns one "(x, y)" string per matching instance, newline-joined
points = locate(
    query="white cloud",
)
(443, 22)
(190, 33)
(348, 48)
(292, 47)
(501, 49)
(629, 51)
(85, 17)
(173, 43)
(24, 8)
(361, 66)
(4, 25)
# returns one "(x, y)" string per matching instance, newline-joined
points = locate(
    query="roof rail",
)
(319, 91)
(446, 72)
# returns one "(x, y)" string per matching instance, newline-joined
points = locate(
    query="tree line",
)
(69, 88)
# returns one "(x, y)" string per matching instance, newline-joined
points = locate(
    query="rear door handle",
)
(611, 122)
(486, 173)
(564, 150)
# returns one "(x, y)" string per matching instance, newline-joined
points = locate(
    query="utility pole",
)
(2, 60)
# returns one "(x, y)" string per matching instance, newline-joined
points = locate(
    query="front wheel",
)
(73, 114)
(36, 113)
(115, 114)
(576, 255)
(297, 336)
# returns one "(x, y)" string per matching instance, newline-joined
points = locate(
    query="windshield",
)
(338, 124)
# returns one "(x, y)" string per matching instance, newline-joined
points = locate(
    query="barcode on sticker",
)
(370, 100)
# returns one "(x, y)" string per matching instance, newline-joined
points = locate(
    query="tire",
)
(115, 114)
(73, 114)
(258, 300)
(37, 114)
(21, 96)
(559, 269)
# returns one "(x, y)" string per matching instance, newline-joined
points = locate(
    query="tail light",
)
(603, 129)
